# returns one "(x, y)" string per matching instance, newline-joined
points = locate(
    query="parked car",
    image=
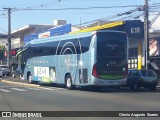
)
(142, 78)
(5, 70)
(16, 73)
(1, 74)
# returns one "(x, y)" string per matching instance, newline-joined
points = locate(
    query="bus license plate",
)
(113, 82)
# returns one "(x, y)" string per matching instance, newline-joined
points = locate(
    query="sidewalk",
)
(10, 78)
(17, 81)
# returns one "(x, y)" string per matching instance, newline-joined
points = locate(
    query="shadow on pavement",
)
(88, 89)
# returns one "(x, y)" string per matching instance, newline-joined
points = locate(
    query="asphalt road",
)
(19, 96)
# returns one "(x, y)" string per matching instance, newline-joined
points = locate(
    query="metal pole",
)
(146, 34)
(9, 38)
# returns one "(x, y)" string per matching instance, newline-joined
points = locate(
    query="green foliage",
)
(2, 49)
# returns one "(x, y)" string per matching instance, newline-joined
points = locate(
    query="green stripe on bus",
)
(111, 77)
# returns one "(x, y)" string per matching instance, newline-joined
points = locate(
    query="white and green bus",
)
(97, 58)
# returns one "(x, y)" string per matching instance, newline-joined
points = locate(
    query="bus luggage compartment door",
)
(83, 76)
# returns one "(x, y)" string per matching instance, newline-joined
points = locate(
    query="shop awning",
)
(101, 27)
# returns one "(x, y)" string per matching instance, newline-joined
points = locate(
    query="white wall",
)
(3, 42)
(156, 25)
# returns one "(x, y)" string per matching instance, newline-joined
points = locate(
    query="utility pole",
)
(146, 34)
(9, 37)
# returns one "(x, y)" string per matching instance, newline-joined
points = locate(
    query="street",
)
(19, 96)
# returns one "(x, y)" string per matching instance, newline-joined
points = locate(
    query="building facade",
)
(30, 32)
(135, 32)
(154, 44)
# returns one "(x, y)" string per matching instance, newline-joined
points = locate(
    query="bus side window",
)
(85, 43)
(77, 45)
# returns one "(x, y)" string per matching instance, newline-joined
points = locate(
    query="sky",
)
(61, 10)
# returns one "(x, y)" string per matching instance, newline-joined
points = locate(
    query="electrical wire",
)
(3, 30)
(81, 8)
(42, 5)
(110, 18)
(120, 16)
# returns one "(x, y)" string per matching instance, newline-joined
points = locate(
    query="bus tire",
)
(68, 82)
(29, 78)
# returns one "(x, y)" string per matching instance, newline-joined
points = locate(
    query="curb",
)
(19, 83)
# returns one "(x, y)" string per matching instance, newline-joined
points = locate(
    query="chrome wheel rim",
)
(69, 83)
(30, 78)
(13, 75)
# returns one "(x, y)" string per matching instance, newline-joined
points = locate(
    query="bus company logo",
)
(67, 61)
(112, 46)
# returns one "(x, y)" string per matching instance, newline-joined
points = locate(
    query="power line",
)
(138, 9)
(3, 30)
(113, 17)
(82, 8)
(77, 8)
(42, 5)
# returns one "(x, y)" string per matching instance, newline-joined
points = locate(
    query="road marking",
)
(4, 90)
(33, 88)
(52, 88)
(32, 85)
(18, 89)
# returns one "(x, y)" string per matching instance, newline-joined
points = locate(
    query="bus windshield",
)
(111, 46)
(111, 55)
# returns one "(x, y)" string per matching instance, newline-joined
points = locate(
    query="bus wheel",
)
(13, 75)
(29, 78)
(68, 82)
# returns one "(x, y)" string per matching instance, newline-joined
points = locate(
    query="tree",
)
(2, 50)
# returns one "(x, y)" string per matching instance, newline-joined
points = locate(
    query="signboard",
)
(60, 30)
(132, 63)
(30, 37)
(135, 29)
(52, 32)
(44, 35)
(153, 47)
(13, 52)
